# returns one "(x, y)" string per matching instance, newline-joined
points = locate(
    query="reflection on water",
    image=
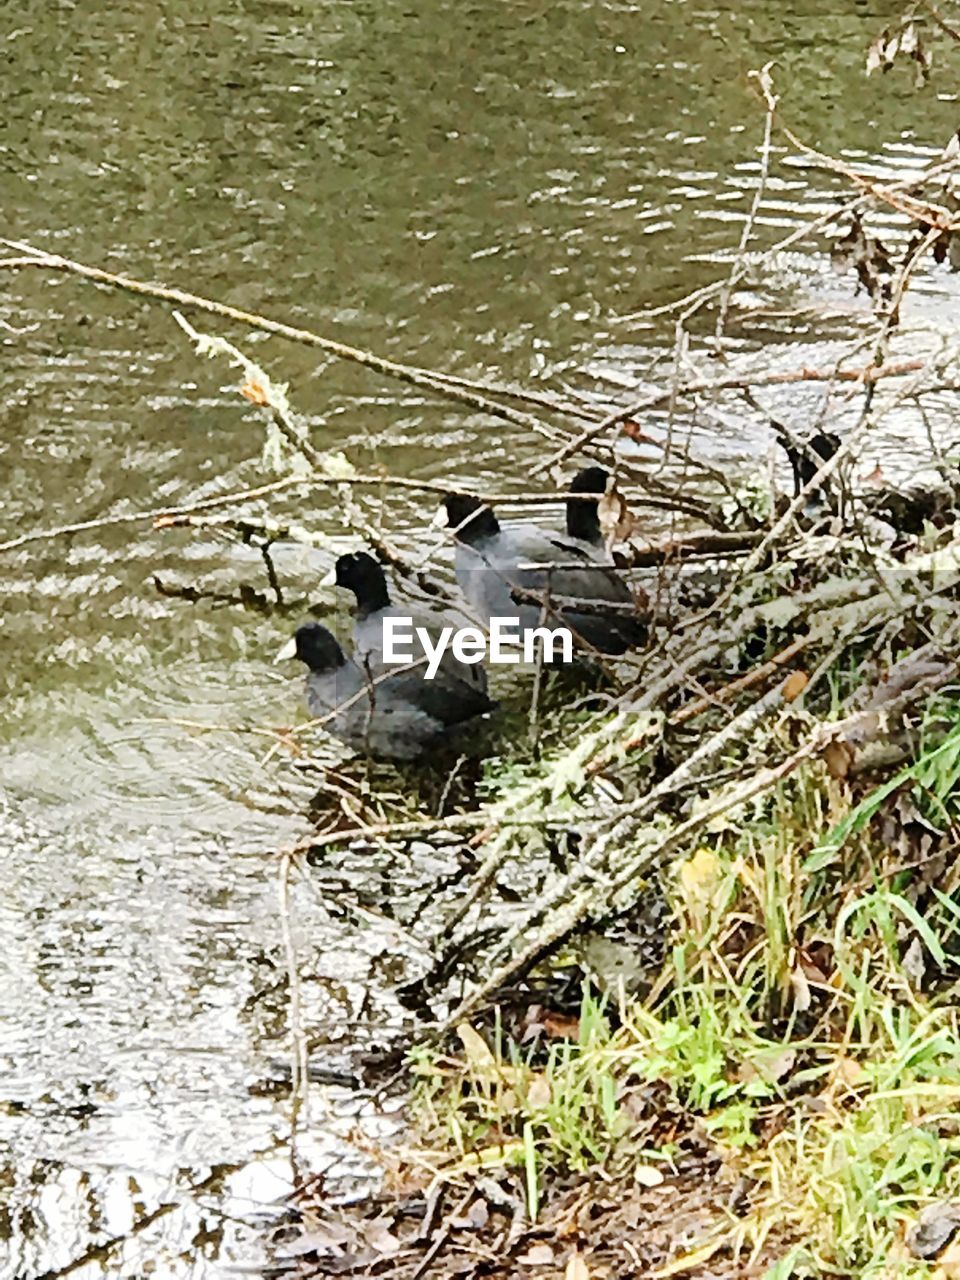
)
(479, 187)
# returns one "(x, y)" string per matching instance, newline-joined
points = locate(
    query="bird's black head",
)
(469, 519)
(364, 576)
(583, 517)
(317, 647)
(590, 480)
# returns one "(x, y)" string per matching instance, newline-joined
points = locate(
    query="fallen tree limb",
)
(472, 395)
(654, 849)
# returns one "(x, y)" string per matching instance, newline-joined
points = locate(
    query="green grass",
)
(804, 1021)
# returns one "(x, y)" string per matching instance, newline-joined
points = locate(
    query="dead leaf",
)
(934, 1229)
(576, 1269)
(327, 1238)
(538, 1092)
(875, 53)
(802, 998)
(475, 1219)
(478, 1053)
(948, 1267)
(561, 1026)
(690, 1261)
(556, 1026)
(617, 524)
(637, 433)
(867, 255)
(648, 1175)
(254, 392)
(540, 1255)
(794, 685)
(769, 1067)
(914, 965)
(380, 1238)
(848, 1071)
(699, 879)
(838, 757)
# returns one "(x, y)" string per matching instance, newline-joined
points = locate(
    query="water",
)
(481, 188)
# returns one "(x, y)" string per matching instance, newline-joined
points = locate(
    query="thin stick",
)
(735, 382)
(302, 483)
(299, 1098)
(738, 270)
(412, 374)
(730, 690)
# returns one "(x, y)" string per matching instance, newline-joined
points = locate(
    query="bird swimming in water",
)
(392, 713)
(499, 569)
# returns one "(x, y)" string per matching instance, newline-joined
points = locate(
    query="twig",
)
(299, 1095)
(730, 690)
(412, 374)
(656, 849)
(938, 217)
(443, 1235)
(941, 22)
(868, 374)
(288, 483)
(677, 549)
(738, 271)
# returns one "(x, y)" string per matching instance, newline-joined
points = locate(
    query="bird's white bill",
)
(329, 579)
(289, 650)
(439, 520)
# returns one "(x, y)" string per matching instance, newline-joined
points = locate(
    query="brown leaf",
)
(838, 757)
(849, 1072)
(561, 1026)
(637, 433)
(254, 392)
(794, 685)
(547, 1022)
(875, 479)
(538, 1092)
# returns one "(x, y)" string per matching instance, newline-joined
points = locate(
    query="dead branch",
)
(473, 396)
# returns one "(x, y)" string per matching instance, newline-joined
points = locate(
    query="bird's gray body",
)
(369, 640)
(389, 712)
(524, 560)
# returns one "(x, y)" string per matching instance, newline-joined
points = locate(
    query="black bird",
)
(360, 573)
(388, 712)
(499, 569)
(583, 516)
(807, 456)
